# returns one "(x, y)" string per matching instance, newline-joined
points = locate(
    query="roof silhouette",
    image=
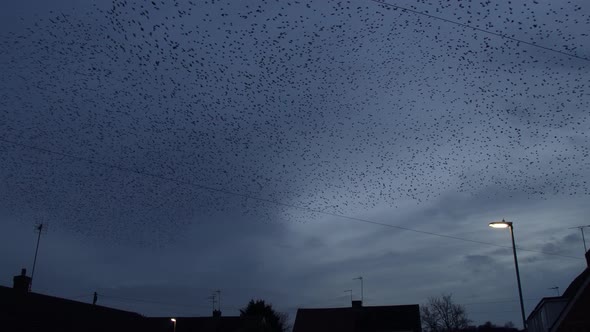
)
(37, 312)
(366, 319)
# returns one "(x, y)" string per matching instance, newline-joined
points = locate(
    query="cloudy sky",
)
(279, 149)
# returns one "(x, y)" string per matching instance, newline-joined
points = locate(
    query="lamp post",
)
(173, 320)
(508, 224)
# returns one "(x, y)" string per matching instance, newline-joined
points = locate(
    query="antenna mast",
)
(218, 300)
(212, 299)
(349, 291)
(581, 228)
(361, 279)
(40, 228)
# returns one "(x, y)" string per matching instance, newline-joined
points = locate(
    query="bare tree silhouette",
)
(441, 314)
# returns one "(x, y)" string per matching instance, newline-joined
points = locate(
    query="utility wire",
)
(491, 312)
(499, 301)
(127, 299)
(265, 200)
(89, 295)
(382, 2)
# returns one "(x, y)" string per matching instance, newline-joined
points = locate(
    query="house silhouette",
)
(25, 311)
(569, 312)
(358, 318)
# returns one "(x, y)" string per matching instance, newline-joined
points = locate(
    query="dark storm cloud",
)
(479, 263)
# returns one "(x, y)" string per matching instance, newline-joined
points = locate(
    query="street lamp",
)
(173, 322)
(508, 224)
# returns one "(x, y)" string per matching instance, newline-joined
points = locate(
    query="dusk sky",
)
(279, 149)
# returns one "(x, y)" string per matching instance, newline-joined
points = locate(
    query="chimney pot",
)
(357, 304)
(22, 283)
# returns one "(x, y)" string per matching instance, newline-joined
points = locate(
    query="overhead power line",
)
(505, 312)
(170, 304)
(417, 12)
(127, 299)
(500, 301)
(265, 200)
(185, 305)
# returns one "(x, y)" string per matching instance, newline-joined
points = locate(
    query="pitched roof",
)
(37, 312)
(575, 285)
(366, 319)
(578, 295)
(576, 299)
(32, 311)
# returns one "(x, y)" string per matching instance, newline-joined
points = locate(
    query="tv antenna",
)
(581, 228)
(213, 301)
(361, 279)
(40, 228)
(555, 288)
(349, 291)
(218, 292)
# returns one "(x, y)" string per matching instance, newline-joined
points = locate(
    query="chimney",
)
(22, 283)
(216, 313)
(588, 258)
(357, 304)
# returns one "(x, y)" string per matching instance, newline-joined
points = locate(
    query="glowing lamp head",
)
(173, 320)
(500, 224)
